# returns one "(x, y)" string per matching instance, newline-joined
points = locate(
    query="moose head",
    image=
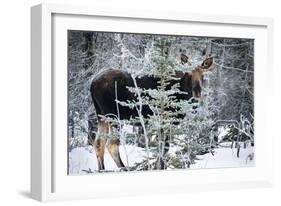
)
(197, 76)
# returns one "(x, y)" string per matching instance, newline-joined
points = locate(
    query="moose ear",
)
(207, 63)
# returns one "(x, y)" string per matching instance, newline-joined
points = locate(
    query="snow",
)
(225, 157)
(82, 159)
(222, 132)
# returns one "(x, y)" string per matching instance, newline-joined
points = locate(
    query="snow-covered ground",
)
(225, 157)
(83, 159)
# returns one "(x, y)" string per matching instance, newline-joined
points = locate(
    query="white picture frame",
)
(49, 180)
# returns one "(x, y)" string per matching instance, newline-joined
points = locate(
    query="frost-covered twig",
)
(239, 126)
(229, 45)
(121, 133)
(88, 171)
(233, 68)
(139, 111)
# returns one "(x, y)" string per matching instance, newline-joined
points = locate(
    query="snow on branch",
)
(229, 45)
(233, 68)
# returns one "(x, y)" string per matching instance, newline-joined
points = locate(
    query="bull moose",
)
(103, 92)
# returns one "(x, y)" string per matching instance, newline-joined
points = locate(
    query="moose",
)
(108, 83)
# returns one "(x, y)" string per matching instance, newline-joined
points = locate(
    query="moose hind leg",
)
(100, 147)
(113, 148)
(100, 142)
